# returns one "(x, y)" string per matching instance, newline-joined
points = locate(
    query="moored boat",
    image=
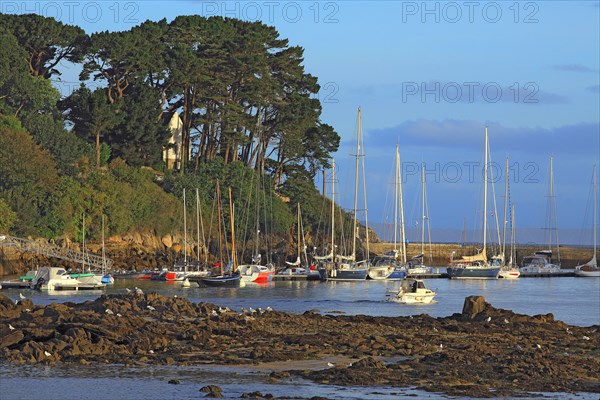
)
(411, 291)
(590, 269)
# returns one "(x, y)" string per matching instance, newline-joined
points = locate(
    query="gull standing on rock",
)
(151, 308)
(138, 291)
(12, 328)
(21, 296)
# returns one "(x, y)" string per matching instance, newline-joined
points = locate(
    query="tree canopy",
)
(249, 113)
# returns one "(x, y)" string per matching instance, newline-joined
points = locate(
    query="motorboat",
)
(411, 291)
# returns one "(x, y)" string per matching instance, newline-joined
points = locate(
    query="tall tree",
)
(91, 115)
(46, 41)
(138, 139)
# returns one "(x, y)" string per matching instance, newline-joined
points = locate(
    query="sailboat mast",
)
(423, 208)
(332, 210)
(356, 156)
(485, 178)
(595, 179)
(232, 220)
(553, 216)
(198, 228)
(505, 207)
(104, 271)
(83, 242)
(298, 236)
(513, 239)
(220, 227)
(184, 233)
(402, 231)
(396, 180)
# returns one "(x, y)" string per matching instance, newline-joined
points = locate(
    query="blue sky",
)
(431, 75)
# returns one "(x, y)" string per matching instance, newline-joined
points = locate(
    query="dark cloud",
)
(459, 135)
(575, 68)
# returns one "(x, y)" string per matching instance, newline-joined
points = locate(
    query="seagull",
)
(569, 332)
(506, 321)
(243, 310)
(109, 312)
(330, 364)
(138, 290)
(435, 329)
(222, 310)
(151, 308)
(538, 346)
(12, 328)
(252, 310)
(151, 351)
(488, 319)
(214, 313)
(21, 296)
(175, 296)
(441, 346)
(119, 315)
(128, 290)
(47, 353)
(594, 331)
(27, 310)
(260, 311)
(269, 309)
(586, 338)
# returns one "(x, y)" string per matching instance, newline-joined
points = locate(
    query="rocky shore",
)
(481, 352)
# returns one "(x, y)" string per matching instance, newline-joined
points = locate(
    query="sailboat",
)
(416, 265)
(508, 270)
(346, 267)
(199, 231)
(229, 277)
(386, 266)
(334, 266)
(179, 270)
(255, 272)
(296, 269)
(477, 266)
(541, 261)
(591, 269)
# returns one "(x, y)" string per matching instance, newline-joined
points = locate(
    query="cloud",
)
(593, 88)
(460, 135)
(575, 68)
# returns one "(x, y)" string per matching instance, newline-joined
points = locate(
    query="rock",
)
(167, 240)
(11, 339)
(213, 391)
(174, 382)
(473, 306)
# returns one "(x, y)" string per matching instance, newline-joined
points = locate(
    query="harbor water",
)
(575, 301)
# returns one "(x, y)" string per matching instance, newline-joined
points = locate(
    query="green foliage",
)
(46, 41)
(248, 113)
(7, 216)
(141, 134)
(92, 115)
(29, 180)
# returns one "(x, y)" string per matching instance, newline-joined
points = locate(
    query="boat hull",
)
(467, 272)
(349, 274)
(219, 281)
(587, 273)
(413, 298)
(509, 273)
(380, 273)
(256, 273)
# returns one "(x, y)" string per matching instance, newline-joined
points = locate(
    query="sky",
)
(430, 76)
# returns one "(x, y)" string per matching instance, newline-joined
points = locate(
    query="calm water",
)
(573, 300)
